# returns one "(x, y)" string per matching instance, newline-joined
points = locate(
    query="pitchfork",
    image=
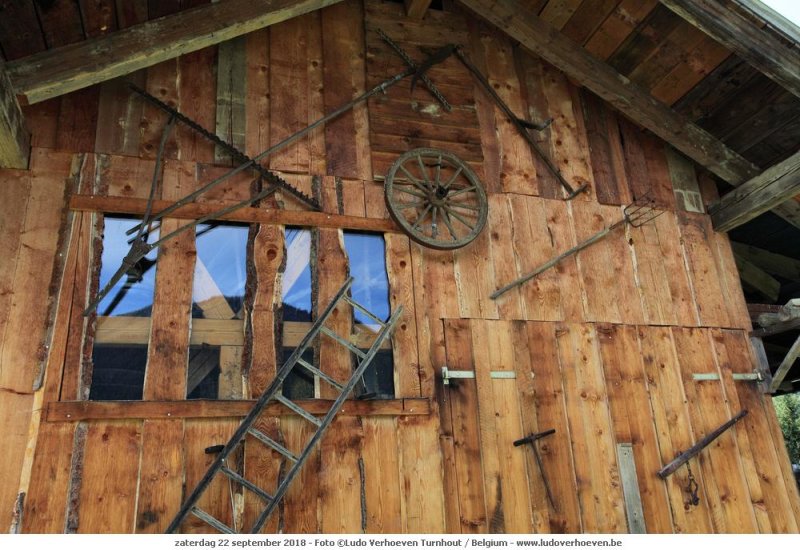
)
(638, 213)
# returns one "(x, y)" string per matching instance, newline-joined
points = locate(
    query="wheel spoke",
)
(461, 191)
(416, 182)
(452, 178)
(423, 170)
(458, 216)
(438, 172)
(466, 206)
(434, 227)
(422, 217)
(449, 224)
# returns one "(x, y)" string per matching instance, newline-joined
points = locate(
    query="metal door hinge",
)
(448, 375)
(738, 376)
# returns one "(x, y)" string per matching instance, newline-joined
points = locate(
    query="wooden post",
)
(15, 140)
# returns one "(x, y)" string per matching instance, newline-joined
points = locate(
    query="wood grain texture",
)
(161, 475)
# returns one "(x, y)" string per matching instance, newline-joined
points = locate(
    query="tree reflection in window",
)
(220, 277)
(296, 298)
(119, 354)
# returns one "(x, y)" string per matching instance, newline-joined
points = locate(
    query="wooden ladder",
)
(274, 393)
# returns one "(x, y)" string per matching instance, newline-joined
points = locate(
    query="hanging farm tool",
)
(635, 214)
(531, 440)
(523, 126)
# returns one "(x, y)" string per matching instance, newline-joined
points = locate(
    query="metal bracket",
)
(448, 375)
(737, 376)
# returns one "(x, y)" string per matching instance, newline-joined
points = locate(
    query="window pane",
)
(133, 294)
(218, 288)
(296, 287)
(119, 354)
(367, 254)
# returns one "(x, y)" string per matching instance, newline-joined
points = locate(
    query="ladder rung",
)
(269, 442)
(248, 484)
(311, 368)
(345, 343)
(363, 310)
(299, 410)
(212, 521)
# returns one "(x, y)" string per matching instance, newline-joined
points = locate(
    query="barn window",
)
(296, 293)
(218, 290)
(367, 255)
(119, 355)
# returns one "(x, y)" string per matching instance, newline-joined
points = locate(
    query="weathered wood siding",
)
(603, 346)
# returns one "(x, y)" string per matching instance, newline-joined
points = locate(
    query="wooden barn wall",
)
(603, 346)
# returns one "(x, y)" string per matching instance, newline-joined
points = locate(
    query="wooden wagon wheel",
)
(436, 198)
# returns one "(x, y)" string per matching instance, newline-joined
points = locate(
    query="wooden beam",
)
(777, 264)
(15, 140)
(778, 184)
(62, 70)
(543, 40)
(786, 364)
(196, 210)
(758, 279)
(74, 411)
(416, 9)
(763, 50)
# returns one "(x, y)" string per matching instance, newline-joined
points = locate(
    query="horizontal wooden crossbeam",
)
(55, 72)
(73, 411)
(775, 186)
(197, 210)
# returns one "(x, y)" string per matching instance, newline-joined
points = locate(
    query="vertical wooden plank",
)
(779, 499)
(633, 419)
(160, 491)
(302, 514)
(344, 77)
(684, 182)
(729, 281)
(401, 294)
(61, 22)
(295, 93)
(168, 348)
(697, 237)
(14, 197)
(501, 237)
(382, 489)
(517, 172)
(423, 503)
(267, 257)
(77, 120)
(262, 467)
(531, 72)
(340, 489)
(110, 477)
(257, 93)
(571, 154)
(673, 427)
(515, 504)
(707, 406)
(547, 381)
(15, 417)
(608, 170)
(463, 404)
(119, 116)
(196, 99)
(635, 161)
(46, 501)
(606, 268)
(231, 91)
(435, 292)
(658, 173)
(530, 423)
(200, 434)
(21, 348)
(596, 470)
(162, 83)
(475, 278)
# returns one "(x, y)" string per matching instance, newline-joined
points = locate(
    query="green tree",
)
(788, 410)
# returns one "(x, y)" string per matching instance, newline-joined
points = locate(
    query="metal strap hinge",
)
(739, 376)
(448, 374)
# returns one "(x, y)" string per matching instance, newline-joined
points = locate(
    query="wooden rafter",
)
(777, 264)
(786, 364)
(62, 70)
(14, 138)
(758, 279)
(761, 49)
(543, 40)
(775, 186)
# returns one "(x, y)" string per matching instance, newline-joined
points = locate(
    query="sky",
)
(790, 9)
